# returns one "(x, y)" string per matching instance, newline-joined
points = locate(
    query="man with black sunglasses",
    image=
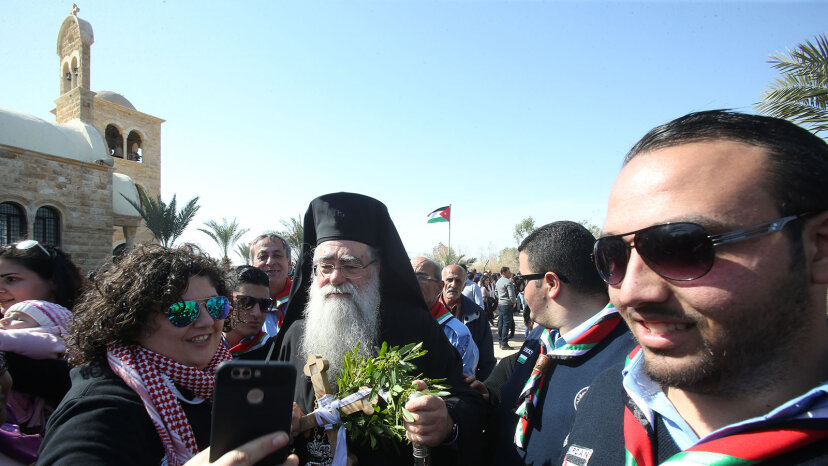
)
(243, 330)
(715, 250)
(579, 336)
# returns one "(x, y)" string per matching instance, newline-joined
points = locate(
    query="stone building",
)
(64, 183)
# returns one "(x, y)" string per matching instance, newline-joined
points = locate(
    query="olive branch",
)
(391, 376)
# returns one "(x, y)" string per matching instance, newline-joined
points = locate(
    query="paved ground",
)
(515, 342)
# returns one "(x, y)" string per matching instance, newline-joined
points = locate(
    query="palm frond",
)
(800, 95)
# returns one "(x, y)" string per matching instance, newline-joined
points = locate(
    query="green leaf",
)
(407, 415)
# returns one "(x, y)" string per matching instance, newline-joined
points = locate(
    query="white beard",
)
(335, 325)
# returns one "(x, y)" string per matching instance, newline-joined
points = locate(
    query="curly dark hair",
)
(119, 308)
(56, 267)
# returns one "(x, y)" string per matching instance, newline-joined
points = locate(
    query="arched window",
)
(134, 146)
(12, 223)
(114, 141)
(47, 226)
(65, 79)
(74, 72)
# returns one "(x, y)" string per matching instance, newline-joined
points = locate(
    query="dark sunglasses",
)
(246, 303)
(184, 313)
(537, 276)
(680, 251)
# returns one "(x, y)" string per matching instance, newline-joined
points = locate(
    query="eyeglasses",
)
(184, 313)
(426, 278)
(681, 251)
(246, 303)
(30, 243)
(347, 270)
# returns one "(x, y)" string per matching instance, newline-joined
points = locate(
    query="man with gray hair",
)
(428, 276)
(271, 253)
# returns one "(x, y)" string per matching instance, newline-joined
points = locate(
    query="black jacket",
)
(102, 421)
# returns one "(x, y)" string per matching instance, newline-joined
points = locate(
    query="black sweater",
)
(102, 421)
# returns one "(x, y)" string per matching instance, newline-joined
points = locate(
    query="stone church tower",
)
(133, 138)
(66, 183)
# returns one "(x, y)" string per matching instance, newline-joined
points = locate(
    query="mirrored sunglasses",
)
(184, 313)
(679, 251)
(29, 244)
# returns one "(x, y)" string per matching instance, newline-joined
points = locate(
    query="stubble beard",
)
(760, 344)
(335, 325)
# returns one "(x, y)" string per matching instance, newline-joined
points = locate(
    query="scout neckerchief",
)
(247, 344)
(605, 323)
(280, 303)
(744, 448)
(440, 311)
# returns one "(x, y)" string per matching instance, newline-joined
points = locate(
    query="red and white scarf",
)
(151, 376)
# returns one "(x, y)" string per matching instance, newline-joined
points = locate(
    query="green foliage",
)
(225, 235)
(523, 228)
(443, 256)
(293, 233)
(243, 250)
(594, 229)
(391, 375)
(801, 94)
(164, 221)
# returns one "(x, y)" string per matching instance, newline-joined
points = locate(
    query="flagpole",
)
(451, 214)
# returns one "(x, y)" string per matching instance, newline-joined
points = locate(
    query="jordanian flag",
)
(440, 215)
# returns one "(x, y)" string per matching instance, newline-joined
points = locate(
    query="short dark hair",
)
(504, 269)
(565, 248)
(56, 267)
(798, 159)
(121, 305)
(247, 274)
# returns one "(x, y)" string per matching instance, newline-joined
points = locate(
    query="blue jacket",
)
(475, 319)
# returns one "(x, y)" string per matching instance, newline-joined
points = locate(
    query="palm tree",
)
(293, 233)
(801, 95)
(243, 250)
(164, 221)
(225, 235)
(443, 256)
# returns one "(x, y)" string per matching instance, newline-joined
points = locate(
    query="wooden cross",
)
(317, 369)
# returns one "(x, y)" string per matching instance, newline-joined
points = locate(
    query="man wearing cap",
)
(354, 284)
(715, 250)
(271, 253)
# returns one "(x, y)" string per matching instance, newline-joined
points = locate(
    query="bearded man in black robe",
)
(354, 284)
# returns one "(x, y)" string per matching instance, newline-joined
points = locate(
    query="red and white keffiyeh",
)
(151, 375)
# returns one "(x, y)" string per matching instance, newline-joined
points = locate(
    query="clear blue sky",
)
(502, 109)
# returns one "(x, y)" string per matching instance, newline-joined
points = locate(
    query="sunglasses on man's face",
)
(246, 303)
(680, 251)
(184, 313)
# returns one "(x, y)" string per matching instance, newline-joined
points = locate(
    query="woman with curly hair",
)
(145, 342)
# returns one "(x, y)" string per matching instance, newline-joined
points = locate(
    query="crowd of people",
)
(693, 331)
